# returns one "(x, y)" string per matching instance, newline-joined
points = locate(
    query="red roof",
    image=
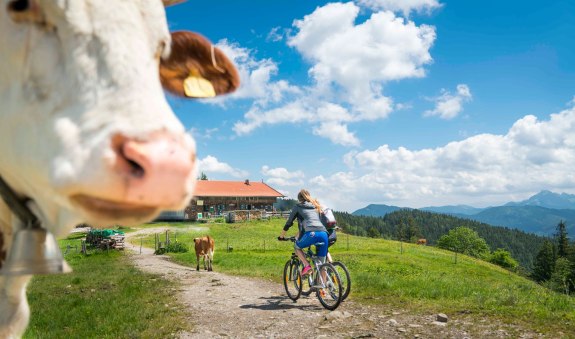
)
(214, 188)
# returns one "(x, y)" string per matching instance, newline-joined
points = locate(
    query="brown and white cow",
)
(86, 133)
(205, 248)
(422, 241)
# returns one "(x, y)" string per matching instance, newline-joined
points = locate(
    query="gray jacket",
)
(307, 215)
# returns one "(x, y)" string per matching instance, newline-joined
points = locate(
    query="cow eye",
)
(27, 11)
(18, 5)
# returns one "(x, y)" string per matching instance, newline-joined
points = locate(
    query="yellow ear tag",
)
(198, 87)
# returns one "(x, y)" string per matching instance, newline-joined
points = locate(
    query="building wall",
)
(216, 206)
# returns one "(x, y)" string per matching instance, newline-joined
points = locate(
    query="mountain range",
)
(539, 214)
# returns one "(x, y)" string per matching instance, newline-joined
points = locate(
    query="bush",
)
(503, 258)
(176, 247)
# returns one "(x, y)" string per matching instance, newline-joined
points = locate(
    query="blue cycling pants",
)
(312, 238)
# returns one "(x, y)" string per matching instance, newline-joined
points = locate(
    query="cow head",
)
(85, 130)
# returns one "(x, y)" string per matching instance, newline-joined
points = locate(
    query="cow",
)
(205, 248)
(422, 242)
(86, 132)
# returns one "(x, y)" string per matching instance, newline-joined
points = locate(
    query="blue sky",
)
(400, 102)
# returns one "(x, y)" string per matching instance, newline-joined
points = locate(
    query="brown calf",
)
(204, 247)
(422, 241)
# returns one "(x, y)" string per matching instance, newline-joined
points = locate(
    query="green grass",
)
(419, 278)
(105, 297)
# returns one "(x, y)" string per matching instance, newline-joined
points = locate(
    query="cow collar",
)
(18, 206)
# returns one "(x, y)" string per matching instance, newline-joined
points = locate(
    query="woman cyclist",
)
(307, 213)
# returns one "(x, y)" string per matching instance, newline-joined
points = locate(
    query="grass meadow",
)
(104, 297)
(103, 290)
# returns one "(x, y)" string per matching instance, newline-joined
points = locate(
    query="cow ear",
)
(197, 69)
(172, 2)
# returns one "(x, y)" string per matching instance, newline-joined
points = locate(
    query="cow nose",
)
(156, 171)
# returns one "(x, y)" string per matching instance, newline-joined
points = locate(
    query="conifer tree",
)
(562, 240)
(544, 264)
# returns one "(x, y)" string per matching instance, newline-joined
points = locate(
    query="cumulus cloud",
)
(382, 48)
(349, 64)
(256, 117)
(337, 133)
(531, 156)
(447, 105)
(401, 6)
(282, 177)
(211, 164)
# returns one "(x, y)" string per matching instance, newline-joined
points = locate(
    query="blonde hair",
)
(304, 196)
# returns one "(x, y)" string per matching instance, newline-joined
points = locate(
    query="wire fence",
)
(163, 241)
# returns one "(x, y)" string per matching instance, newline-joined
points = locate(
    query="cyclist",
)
(307, 213)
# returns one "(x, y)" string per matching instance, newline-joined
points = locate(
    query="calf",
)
(205, 248)
(86, 133)
(422, 242)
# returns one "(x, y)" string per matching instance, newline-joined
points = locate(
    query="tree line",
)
(411, 224)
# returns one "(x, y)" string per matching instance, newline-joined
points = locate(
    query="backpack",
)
(328, 219)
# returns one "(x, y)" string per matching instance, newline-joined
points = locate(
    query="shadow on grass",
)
(280, 303)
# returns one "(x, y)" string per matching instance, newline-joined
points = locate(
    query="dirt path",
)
(224, 306)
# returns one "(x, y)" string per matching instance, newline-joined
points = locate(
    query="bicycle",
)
(341, 269)
(325, 282)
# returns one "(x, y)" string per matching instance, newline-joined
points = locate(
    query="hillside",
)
(522, 245)
(397, 290)
(415, 279)
(548, 199)
(534, 219)
(375, 210)
(539, 214)
(454, 210)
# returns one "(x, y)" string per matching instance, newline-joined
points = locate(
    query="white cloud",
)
(403, 6)
(256, 117)
(282, 177)
(211, 164)
(275, 35)
(350, 63)
(447, 105)
(255, 77)
(481, 169)
(382, 48)
(337, 133)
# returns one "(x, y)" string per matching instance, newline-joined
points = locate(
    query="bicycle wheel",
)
(329, 289)
(345, 278)
(292, 279)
